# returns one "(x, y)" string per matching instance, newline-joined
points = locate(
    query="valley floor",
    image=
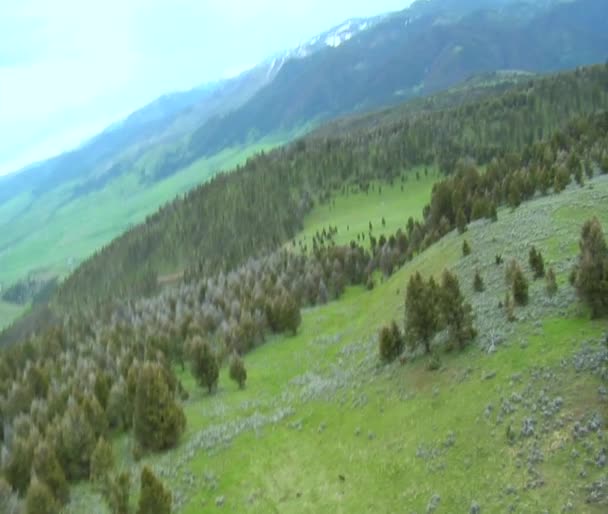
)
(516, 423)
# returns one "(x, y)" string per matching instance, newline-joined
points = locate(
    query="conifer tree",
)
(520, 287)
(551, 286)
(47, 469)
(75, 442)
(466, 248)
(536, 262)
(421, 311)
(117, 492)
(238, 372)
(390, 342)
(292, 317)
(102, 462)
(461, 221)
(456, 313)
(18, 466)
(154, 498)
(158, 420)
(591, 271)
(40, 499)
(478, 284)
(205, 367)
(9, 501)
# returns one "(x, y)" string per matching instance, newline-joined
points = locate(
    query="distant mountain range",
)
(359, 65)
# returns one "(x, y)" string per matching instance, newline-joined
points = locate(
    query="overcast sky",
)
(69, 68)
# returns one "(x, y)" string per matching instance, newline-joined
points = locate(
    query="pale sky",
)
(69, 68)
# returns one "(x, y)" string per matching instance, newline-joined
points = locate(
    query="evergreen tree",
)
(9, 501)
(291, 313)
(47, 469)
(154, 498)
(102, 462)
(461, 221)
(478, 284)
(75, 442)
(238, 372)
(551, 286)
(158, 421)
(466, 249)
(40, 499)
(456, 313)
(18, 466)
(536, 262)
(95, 415)
(421, 311)
(205, 367)
(591, 278)
(390, 342)
(520, 287)
(102, 389)
(117, 492)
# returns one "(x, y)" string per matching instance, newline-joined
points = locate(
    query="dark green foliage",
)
(238, 372)
(509, 308)
(466, 248)
(551, 282)
(455, 312)
(48, 470)
(95, 415)
(158, 420)
(40, 499)
(102, 462)
(421, 311)
(461, 221)
(478, 284)
(9, 501)
(154, 498)
(284, 313)
(205, 367)
(591, 271)
(390, 342)
(102, 389)
(519, 287)
(74, 442)
(117, 492)
(537, 263)
(18, 468)
(562, 179)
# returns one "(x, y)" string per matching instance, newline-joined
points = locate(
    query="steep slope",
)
(260, 205)
(428, 47)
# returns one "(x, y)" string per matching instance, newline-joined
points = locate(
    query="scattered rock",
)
(600, 460)
(433, 503)
(219, 501)
(527, 427)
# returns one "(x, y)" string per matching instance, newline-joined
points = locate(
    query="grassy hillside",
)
(351, 214)
(322, 425)
(55, 233)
